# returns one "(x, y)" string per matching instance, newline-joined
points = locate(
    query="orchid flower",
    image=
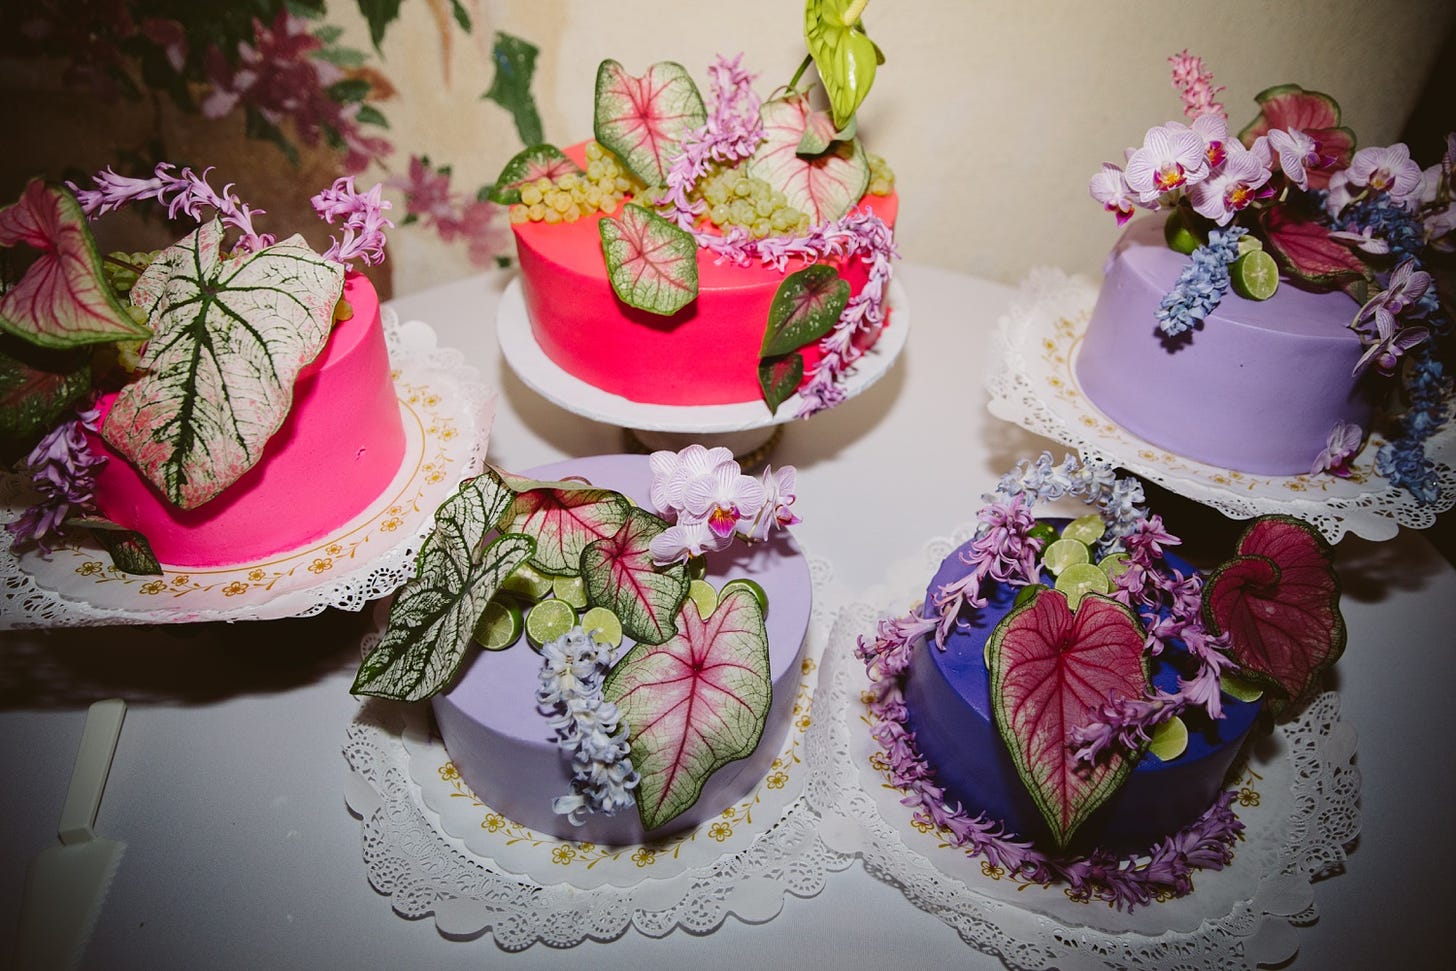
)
(1389, 341)
(1297, 153)
(1213, 129)
(1389, 169)
(684, 540)
(1406, 286)
(778, 490)
(1231, 187)
(1110, 188)
(672, 471)
(723, 498)
(1170, 158)
(1338, 194)
(1341, 446)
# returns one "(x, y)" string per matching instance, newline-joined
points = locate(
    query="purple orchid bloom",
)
(1232, 187)
(1388, 169)
(1341, 446)
(1172, 157)
(1110, 188)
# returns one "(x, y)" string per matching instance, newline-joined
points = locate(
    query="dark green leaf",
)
(805, 307)
(370, 115)
(515, 64)
(341, 56)
(349, 91)
(38, 388)
(129, 550)
(462, 16)
(779, 378)
(380, 14)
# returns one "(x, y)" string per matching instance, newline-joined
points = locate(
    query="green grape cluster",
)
(737, 199)
(882, 179)
(573, 195)
(121, 271)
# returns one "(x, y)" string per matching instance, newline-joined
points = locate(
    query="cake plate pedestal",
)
(1033, 383)
(746, 428)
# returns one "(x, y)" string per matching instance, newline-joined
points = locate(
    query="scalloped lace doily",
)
(1298, 798)
(1033, 384)
(448, 414)
(562, 892)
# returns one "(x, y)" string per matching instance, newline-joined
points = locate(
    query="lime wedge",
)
(1027, 592)
(752, 586)
(548, 620)
(1240, 689)
(1169, 739)
(1179, 237)
(1064, 553)
(1114, 565)
(1045, 532)
(570, 589)
(1254, 275)
(1249, 243)
(1080, 579)
(1085, 529)
(603, 626)
(526, 582)
(499, 627)
(701, 592)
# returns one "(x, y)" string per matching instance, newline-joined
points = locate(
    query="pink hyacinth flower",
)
(1172, 157)
(1231, 187)
(1389, 169)
(1110, 188)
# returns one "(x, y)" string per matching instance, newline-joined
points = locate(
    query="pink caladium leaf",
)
(1305, 250)
(1050, 670)
(564, 521)
(39, 388)
(694, 703)
(1279, 602)
(1316, 114)
(805, 307)
(653, 265)
(231, 337)
(62, 300)
(643, 119)
(530, 164)
(619, 574)
(824, 186)
(779, 378)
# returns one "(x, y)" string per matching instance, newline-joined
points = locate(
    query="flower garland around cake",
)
(749, 182)
(1267, 620)
(1289, 196)
(201, 342)
(577, 569)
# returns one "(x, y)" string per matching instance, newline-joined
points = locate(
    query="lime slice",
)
(603, 626)
(1249, 243)
(548, 620)
(1240, 689)
(701, 592)
(570, 589)
(527, 583)
(1027, 592)
(1114, 565)
(1169, 739)
(1045, 532)
(1085, 529)
(1064, 553)
(752, 586)
(499, 626)
(1255, 275)
(1080, 579)
(1179, 237)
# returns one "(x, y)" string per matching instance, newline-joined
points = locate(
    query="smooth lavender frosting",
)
(505, 750)
(948, 701)
(1257, 389)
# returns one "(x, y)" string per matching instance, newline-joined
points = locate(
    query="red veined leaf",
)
(1305, 250)
(1050, 669)
(779, 378)
(1316, 114)
(1279, 601)
(62, 300)
(38, 388)
(619, 574)
(805, 307)
(563, 522)
(643, 119)
(694, 703)
(530, 164)
(653, 265)
(824, 186)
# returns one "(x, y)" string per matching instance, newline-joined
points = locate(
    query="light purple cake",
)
(506, 751)
(1258, 387)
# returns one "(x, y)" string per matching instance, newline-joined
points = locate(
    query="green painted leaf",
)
(379, 14)
(643, 119)
(462, 16)
(129, 550)
(653, 265)
(564, 521)
(515, 65)
(434, 614)
(530, 164)
(620, 575)
(805, 307)
(231, 337)
(63, 299)
(843, 53)
(694, 703)
(38, 388)
(826, 186)
(820, 133)
(779, 378)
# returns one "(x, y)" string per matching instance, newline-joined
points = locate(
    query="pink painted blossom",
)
(1341, 446)
(1231, 187)
(1389, 169)
(428, 197)
(1170, 158)
(1110, 188)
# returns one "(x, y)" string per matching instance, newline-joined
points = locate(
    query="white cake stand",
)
(745, 427)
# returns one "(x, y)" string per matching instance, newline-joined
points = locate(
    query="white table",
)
(228, 781)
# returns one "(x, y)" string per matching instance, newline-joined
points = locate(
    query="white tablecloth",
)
(228, 782)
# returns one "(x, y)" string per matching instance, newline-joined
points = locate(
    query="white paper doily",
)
(436, 850)
(1298, 799)
(1033, 383)
(546, 378)
(447, 416)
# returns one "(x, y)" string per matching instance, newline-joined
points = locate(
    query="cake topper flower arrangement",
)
(748, 182)
(576, 568)
(201, 341)
(1290, 195)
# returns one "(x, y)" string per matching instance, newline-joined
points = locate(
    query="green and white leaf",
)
(825, 186)
(653, 265)
(528, 165)
(644, 119)
(620, 575)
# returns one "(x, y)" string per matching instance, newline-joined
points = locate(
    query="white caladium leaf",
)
(230, 337)
(653, 265)
(825, 186)
(643, 119)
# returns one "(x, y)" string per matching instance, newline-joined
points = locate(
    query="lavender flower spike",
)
(186, 192)
(363, 217)
(63, 470)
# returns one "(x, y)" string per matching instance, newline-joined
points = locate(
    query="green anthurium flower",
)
(843, 53)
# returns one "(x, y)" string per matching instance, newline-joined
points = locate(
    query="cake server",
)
(66, 883)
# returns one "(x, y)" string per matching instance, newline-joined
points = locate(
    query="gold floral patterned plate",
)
(447, 416)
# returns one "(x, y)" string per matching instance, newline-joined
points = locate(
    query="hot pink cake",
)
(705, 354)
(339, 448)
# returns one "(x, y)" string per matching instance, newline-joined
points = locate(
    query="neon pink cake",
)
(339, 448)
(705, 354)
(1262, 383)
